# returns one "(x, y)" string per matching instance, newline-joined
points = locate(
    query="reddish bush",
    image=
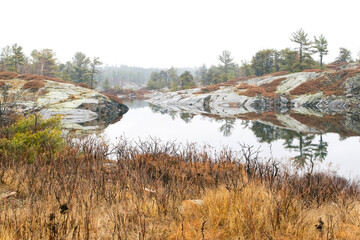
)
(33, 85)
(8, 75)
(2, 83)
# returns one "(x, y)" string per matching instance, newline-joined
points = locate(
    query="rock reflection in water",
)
(267, 128)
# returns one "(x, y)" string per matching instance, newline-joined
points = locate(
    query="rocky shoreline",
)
(311, 93)
(80, 108)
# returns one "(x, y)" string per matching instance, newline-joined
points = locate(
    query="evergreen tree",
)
(245, 69)
(79, 68)
(154, 81)
(213, 75)
(264, 62)
(64, 71)
(202, 71)
(288, 60)
(44, 62)
(344, 55)
(304, 49)
(227, 66)
(186, 80)
(5, 57)
(17, 58)
(321, 47)
(106, 84)
(94, 70)
(173, 78)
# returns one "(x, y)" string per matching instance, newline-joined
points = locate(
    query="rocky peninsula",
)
(80, 107)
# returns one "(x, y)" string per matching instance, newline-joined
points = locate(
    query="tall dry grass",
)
(81, 194)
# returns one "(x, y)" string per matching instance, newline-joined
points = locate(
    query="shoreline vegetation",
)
(55, 188)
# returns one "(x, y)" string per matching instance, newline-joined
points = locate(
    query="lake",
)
(328, 150)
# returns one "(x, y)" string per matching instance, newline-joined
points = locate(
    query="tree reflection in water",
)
(227, 127)
(303, 144)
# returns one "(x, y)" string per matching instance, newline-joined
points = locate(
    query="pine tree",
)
(17, 59)
(44, 62)
(94, 71)
(186, 80)
(344, 55)
(106, 84)
(304, 49)
(321, 47)
(5, 57)
(79, 68)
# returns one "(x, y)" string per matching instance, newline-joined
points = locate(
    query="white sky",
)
(180, 33)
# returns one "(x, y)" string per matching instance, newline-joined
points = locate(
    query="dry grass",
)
(81, 194)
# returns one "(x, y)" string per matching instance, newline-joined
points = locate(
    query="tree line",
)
(265, 61)
(226, 70)
(81, 69)
(294, 60)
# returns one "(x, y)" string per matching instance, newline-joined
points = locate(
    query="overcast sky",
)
(180, 33)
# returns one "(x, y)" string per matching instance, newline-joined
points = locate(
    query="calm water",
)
(143, 121)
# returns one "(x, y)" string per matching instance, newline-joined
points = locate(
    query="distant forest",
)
(309, 54)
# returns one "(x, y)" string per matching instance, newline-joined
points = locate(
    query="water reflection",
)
(306, 146)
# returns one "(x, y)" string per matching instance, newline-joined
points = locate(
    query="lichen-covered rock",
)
(76, 105)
